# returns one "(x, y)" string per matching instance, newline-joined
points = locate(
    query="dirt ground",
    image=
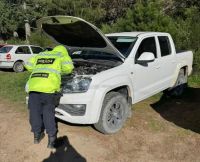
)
(161, 129)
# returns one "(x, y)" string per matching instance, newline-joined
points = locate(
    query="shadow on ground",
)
(6, 70)
(72, 124)
(64, 152)
(183, 111)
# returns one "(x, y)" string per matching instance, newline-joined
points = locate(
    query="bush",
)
(36, 38)
(40, 39)
(196, 63)
(150, 16)
(15, 41)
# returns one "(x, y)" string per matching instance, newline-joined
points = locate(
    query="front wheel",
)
(114, 113)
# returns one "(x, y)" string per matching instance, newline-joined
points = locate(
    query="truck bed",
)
(185, 57)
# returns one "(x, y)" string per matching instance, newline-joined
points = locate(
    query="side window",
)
(23, 50)
(165, 47)
(36, 50)
(147, 45)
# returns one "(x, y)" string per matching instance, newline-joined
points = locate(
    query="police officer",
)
(43, 86)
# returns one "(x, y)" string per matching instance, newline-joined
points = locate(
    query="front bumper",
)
(90, 99)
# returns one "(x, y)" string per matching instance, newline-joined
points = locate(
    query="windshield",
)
(123, 43)
(5, 49)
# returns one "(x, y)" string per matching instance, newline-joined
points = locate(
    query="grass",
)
(155, 124)
(12, 86)
(194, 80)
(162, 129)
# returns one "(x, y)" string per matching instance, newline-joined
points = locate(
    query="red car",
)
(1, 45)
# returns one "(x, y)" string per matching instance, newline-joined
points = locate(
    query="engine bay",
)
(87, 68)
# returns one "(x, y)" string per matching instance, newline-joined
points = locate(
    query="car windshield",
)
(5, 49)
(123, 43)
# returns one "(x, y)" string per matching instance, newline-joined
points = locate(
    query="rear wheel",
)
(114, 113)
(180, 85)
(18, 67)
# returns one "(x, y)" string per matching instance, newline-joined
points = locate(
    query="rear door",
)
(167, 60)
(23, 53)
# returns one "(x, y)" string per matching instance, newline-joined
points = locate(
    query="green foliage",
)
(196, 66)
(16, 41)
(7, 21)
(12, 86)
(40, 39)
(151, 16)
(91, 10)
(178, 17)
(148, 17)
(194, 80)
(36, 38)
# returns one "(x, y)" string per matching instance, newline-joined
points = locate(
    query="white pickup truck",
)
(114, 71)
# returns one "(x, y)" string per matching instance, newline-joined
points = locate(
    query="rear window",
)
(123, 44)
(23, 50)
(165, 47)
(5, 49)
(36, 50)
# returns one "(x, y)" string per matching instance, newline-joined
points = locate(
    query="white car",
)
(113, 72)
(14, 56)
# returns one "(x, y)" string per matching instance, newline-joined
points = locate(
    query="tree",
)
(147, 16)
(90, 10)
(7, 20)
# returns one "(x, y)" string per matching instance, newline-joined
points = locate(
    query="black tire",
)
(180, 85)
(114, 113)
(18, 67)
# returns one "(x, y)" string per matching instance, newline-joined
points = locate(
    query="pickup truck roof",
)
(135, 34)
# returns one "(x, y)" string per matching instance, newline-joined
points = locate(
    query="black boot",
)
(51, 142)
(38, 137)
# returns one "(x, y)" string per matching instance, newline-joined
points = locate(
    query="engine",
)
(85, 68)
(89, 69)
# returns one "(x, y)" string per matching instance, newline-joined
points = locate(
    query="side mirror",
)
(146, 57)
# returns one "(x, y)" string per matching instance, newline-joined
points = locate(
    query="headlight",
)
(77, 85)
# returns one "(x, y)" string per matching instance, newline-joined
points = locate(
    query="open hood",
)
(75, 32)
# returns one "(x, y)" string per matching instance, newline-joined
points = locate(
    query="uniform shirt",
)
(46, 68)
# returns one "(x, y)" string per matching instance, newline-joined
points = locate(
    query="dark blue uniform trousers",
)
(42, 112)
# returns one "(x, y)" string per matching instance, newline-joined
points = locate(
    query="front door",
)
(146, 76)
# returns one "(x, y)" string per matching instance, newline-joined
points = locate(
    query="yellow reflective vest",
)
(47, 68)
